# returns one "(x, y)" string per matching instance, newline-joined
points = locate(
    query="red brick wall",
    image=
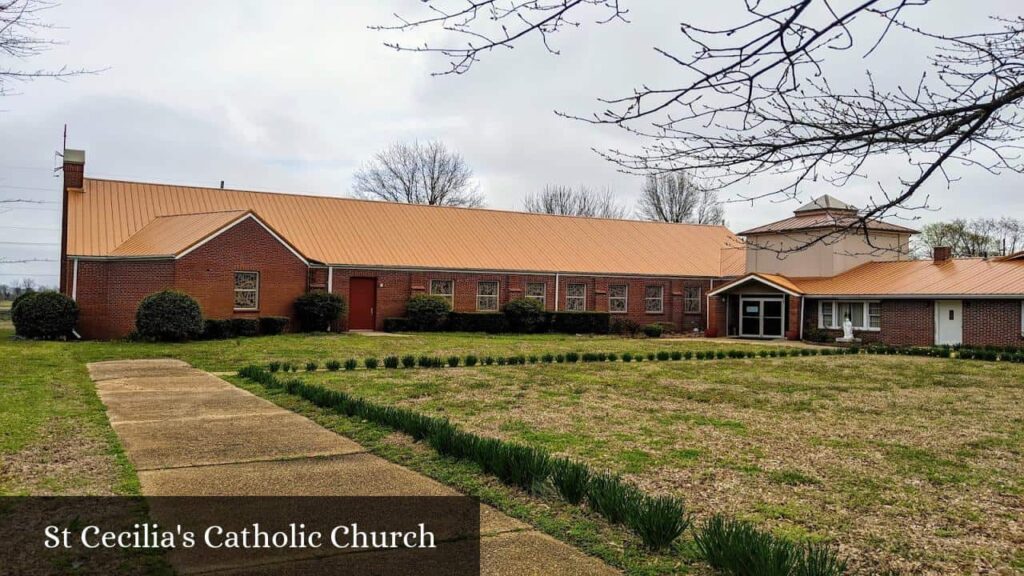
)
(992, 323)
(207, 273)
(109, 293)
(904, 323)
(398, 287)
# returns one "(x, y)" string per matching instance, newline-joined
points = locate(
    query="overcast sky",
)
(293, 96)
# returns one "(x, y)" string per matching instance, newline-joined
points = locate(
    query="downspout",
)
(707, 308)
(803, 301)
(556, 292)
(330, 286)
(74, 291)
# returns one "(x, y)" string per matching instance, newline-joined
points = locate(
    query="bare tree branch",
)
(22, 31)
(418, 174)
(569, 201)
(754, 100)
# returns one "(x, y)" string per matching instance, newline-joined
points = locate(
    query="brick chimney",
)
(941, 253)
(74, 174)
(74, 168)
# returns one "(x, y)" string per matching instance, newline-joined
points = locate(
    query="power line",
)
(31, 243)
(37, 188)
(29, 228)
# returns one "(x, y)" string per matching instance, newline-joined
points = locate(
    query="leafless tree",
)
(22, 36)
(675, 197)
(759, 99)
(569, 201)
(977, 237)
(416, 173)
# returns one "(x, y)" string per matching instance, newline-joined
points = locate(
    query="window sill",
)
(245, 310)
(855, 329)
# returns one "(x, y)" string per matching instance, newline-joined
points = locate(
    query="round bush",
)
(169, 316)
(45, 315)
(427, 312)
(653, 330)
(316, 310)
(525, 315)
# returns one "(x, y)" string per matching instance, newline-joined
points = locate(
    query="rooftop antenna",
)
(58, 166)
(221, 184)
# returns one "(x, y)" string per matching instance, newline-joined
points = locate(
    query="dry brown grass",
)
(909, 464)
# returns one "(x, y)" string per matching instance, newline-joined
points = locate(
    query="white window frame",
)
(234, 279)
(496, 296)
(660, 299)
(687, 300)
(543, 298)
(837, 322)
(624, 298)
(450, 296)
(568, 298)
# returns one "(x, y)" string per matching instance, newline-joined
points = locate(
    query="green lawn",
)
(908, 464)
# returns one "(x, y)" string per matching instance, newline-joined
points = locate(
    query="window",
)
(826, 315)
(691, 299)
(537, 291)
(576, 298)
(874, 315)
(247, 290)
(486, 296)
(618, 296)
(445, 289)
(863, 315)
(654, 299)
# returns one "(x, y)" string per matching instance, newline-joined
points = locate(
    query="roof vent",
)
(941, 253)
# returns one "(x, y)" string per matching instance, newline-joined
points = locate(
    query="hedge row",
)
(214, 329)
(497, 322)
(470, 360)
(657, 520)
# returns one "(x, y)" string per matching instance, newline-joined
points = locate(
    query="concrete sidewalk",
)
(189, 433)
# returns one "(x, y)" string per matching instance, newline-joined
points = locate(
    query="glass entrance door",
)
(761, 317)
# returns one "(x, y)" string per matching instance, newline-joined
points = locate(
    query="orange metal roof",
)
(967, 277)
(172, 235)
(342, 231)
(820, 220)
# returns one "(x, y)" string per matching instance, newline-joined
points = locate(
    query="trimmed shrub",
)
(214, 329)
(533, 358)
(579, 322)
(311, 366)
(502, 360)
(427, 312)
(274, 366)
(687, 355)
(490, 322)
(453, 361)
(572, 357)
(273, 325)
(370, 363)
(547, 358)
(612, 357)
(627, 357)
(396, 324)
(44, 315)
(333, 365)
(424, 361)
(664, 355)
(488, 360)
(570, 479)
(471, 360)
(658, 520)
(525, 315)
(602, 357)
(676, 355)
(560, 358)
(391, 361)
(624, 326)
(408, 361)
(720, 355)
(168, 316)
(638, 357)
(315, 311)
(351, 364)
(245, 327)
(286, 367)
(653, 330)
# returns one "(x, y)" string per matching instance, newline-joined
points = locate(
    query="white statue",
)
(847, 328)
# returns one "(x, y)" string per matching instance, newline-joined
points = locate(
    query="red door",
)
(362, 301)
